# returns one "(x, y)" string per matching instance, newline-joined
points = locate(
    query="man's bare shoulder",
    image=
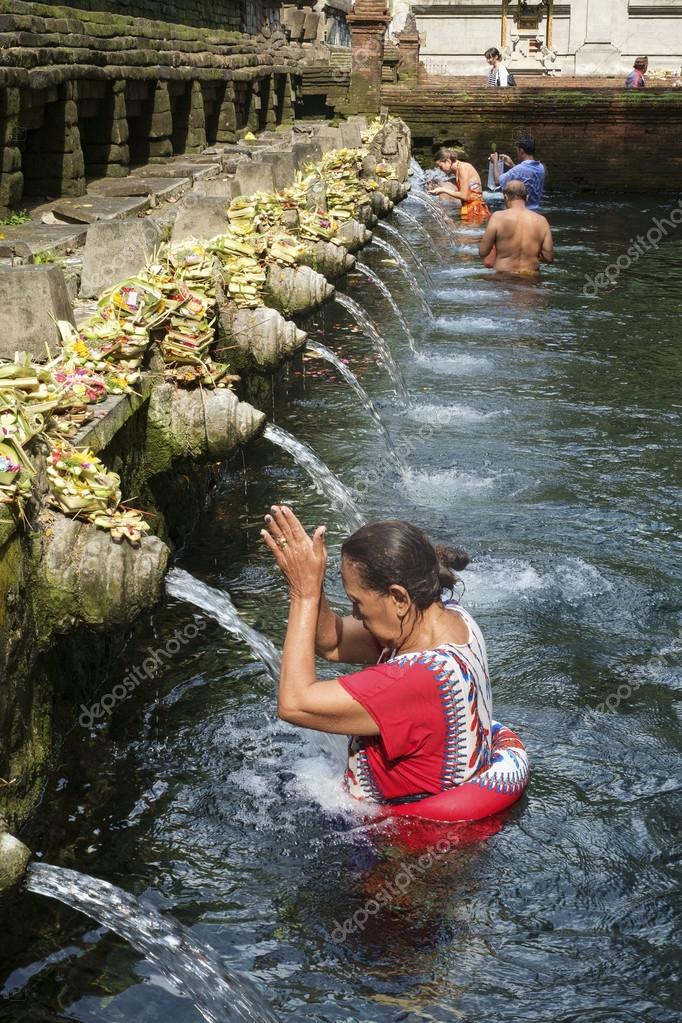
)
(538, 218)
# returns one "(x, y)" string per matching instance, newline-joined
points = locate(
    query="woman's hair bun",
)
(452, 557)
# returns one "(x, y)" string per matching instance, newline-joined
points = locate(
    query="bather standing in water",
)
(420, 717)
(516, 240)
(466, 186)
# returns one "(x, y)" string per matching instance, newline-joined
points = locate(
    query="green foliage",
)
(49, 256)
(15, 218)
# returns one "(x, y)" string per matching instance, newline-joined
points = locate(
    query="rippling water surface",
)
(543, 435)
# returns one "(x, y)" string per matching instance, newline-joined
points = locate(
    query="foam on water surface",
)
(466, 296)
(442, 415)
(465, 270)
(466, 324)
(433, 489)
(437, 363)
(494, 581)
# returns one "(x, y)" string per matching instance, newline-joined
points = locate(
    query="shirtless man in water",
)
(516, 240)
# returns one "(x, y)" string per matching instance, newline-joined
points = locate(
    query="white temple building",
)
(579, 37)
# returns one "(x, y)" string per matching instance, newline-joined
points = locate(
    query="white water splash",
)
(433, 489)
(494, 581)
(442, 415)
(438, 363)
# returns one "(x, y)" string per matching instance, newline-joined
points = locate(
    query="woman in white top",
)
(498, 76)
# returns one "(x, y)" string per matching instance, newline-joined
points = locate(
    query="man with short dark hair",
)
(635, 80)
(528, 170)
(516, 240)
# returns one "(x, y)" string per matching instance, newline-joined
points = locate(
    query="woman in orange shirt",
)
(466, 186)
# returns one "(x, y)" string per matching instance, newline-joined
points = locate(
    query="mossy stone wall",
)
(237, 15)
(590, 138)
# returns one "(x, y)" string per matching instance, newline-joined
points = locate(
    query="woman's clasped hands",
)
(301, 558)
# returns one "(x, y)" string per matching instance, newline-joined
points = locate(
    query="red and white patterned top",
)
(434, 712)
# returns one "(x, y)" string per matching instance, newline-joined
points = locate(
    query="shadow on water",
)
(542, 435)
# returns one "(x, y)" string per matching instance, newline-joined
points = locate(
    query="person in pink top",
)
(420, 713)
(635, 80)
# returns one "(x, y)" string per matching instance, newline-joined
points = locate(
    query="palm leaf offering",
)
(81, 486)
(171, 303)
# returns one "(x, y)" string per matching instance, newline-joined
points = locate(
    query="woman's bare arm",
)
(447, 188)
(303, 700)
(343, 638)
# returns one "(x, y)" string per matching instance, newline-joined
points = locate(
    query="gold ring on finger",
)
(281, 542)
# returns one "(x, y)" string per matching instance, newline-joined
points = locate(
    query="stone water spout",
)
(394, 190)
(381, 204)
(14, 857)
(296, 290)
(367, 216)
(354, 235)
(82, 578)
(330, 260)
(197, 424)
(260, 339)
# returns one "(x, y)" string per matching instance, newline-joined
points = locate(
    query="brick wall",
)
(237, 15)
(589, 138)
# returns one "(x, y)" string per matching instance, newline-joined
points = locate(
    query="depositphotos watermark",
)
(404, 877)
(637, 248)
(660, 661)
(142, 672)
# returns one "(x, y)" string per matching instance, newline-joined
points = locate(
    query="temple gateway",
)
(581, 37)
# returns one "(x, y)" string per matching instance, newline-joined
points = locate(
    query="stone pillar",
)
(253, 115)
(105, 144)
(54, 153)
(271, 113)
(11, 177)
(196, 125)
(288, 101)
(161, 125)
(408, 48)
(367, 22)
(120, 131)
(598, 55)
(227, 116)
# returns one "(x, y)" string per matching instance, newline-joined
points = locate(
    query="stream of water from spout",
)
(324, 479)
(438, 214)
(383, 288)
(384, 353)
(402, 240)
(404, 268)
(416, 169)
(316, 348)
(436, 249)
(195, 970)
(218, 604)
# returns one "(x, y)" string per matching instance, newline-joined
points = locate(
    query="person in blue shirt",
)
(528, 170)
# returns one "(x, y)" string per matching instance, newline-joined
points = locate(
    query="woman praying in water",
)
(466, 185)
(420, 716)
